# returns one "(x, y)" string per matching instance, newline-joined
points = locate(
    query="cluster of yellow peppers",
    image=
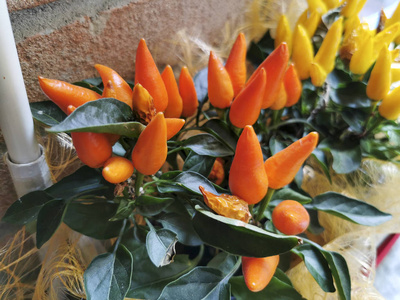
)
(355, 42)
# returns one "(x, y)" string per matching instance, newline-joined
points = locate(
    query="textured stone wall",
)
(63, 39)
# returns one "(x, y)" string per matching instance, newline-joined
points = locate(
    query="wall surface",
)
(63, 39)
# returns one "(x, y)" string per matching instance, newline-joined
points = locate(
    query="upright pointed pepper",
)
(147, 74)
(331, 4)
(236, 64)
(150, 151)
(173, 126)
(281, 99)
(143, 104)
(188, 93)
(386, 36)
(64, 94)
(283, 33)
(363, 57)
(395, 18)
(283, 166)
(246, 107)
(123, 91)
(247, 177)
(318, 74)
(352, 7)
(275, 66)
(390, 105)
(175, 106)
(293, 86)
(220, 89)
(381, 76)
(109, 91)
(326, 54)
(310, 20)
(317, 5)
(302, 53)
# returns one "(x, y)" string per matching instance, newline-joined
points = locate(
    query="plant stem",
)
(121, 232)
(264, 203)
(375, 124)
(138, 183)
(221, 113)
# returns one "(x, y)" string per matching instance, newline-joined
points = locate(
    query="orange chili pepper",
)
(188, 93)
(64, 94)
(283, 166)
(123, 91)
(281, 99)
(150, 151)
(109, 91)
(175, 106)
(290, 217)
(142, 104)
(293, 86)
(275, 66)
(229, 206)
(217, 173)
(220, 90)
(236, 64)
(93, 149)
(246, 107)
(147, 74)
(173, 126)
(117, 169)
(247, 177)
(258, 271)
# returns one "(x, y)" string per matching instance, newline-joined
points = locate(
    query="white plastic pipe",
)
(16, 121)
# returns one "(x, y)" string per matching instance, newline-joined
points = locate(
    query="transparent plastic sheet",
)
(375, 183)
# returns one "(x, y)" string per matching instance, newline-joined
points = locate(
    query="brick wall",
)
(63, 39)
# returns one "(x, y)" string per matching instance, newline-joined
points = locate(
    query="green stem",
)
(138, 183)
(237, 130)
(375, 124)
(121, 232)
(263, 205)
(221, 113)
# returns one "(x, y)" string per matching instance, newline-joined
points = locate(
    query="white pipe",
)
(16, 121)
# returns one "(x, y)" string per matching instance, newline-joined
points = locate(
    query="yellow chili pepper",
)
(318, 74)
(317, 5)
(379, 82)
(331, 4)
(390, 106)
(394, 18)
(326, 54)
(143, 104)
(302, 52)
(395, 72)
(386, 36)
(363, 57)
(353, 40)
(352, 7)
(283, 33)
(310, 20)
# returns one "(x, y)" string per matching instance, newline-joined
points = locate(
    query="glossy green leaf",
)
(221, 130)
(26, 209)
(350, 209)
(91, 117)
(199, 163)
(49, 219)
(338, 79)
(224, 262)
(289, 194)
(160, 245)
(352, 95)
(47, 112)
(207, 144)
(148, 281)
(275, 290)
(109, 275)
(124, 210)
(320, 158)
(239, 238)
(317, 265)
(150, 206)
(93, 219)
(346, 155)
(93, 84)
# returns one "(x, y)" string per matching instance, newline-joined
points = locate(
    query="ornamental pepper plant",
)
(198, 178)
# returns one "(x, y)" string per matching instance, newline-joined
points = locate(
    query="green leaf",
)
(124, 210)
(49, 219)
(239, 238)
(148, 280)
(276, 290)
(47, 112)
(352, 95)
(207, 144)
(320, 157)
(151, 206)
(91, 117)
(160, 245)
(346, 156)
(289, 194)
(93, 219)
(350, 209)
(93, 84)
(199, 283)
(85, 181)
(317, 265)
(109, 275)
(338, 79)
(199, 163)
(224, 262)
(221, 130)
(186, 181)
(26, 209)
